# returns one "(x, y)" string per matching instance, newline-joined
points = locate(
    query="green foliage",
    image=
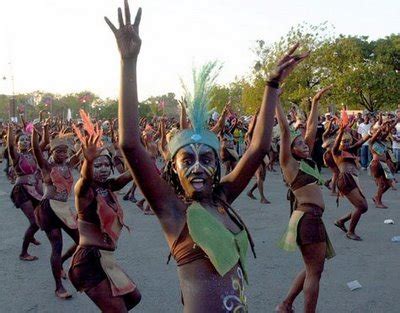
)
(366, 74)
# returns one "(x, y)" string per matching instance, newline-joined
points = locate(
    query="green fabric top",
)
(223, 248)
(313, 171)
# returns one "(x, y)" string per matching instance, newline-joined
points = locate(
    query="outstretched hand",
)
(183, 103)
(287, 64)
(320, 93)
(90, 147)
(127, 34)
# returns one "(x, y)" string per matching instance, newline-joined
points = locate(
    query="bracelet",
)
(273, 84)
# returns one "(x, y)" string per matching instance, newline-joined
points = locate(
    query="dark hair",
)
(172, 178)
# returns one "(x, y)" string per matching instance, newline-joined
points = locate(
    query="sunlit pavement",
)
(374, 262)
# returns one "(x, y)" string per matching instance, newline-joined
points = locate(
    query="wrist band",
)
(273, 84)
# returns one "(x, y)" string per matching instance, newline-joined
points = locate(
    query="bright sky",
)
(65, 46)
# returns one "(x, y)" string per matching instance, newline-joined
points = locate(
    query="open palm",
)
(127, 34)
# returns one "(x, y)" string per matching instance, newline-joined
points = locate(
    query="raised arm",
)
(37, 151)
(163, 141)
(11, 144)
(221, 121)
(335, 148)
(158, 193)
(312, 121)
(285, 154)
(183, 122)
(375, 136)
(235, 182)
(327, 131)
(46, 136)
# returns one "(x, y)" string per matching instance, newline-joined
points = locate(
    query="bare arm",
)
(120, 182)
(183, 117)
(46, 137)
(235, 182)
(163, 141)
(37, 152)
(375, 136)
(11, 144)
(335, 148)
(312, 121)
(327, 132)
(285, 154)
(158, 193)
(221, 122)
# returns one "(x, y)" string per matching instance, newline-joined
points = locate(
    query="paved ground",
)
(28, 287)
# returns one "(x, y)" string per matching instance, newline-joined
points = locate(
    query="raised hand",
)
(90, 147)
(287, 64)
(182, 102)
(320, 93)
(127, 34)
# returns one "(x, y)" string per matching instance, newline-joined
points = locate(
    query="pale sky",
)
(65, 46)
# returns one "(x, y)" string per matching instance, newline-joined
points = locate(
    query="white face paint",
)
(23, 142)
(210, 170)
(196, 165)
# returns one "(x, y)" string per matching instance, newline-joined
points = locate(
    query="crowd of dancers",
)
(190, 171)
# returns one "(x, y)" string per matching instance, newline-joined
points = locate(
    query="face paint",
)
(209, 169)
(196, 165)
(23, 142)
(101, 169)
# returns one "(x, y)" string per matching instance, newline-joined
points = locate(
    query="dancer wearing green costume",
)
(306, 228)
(191, 201)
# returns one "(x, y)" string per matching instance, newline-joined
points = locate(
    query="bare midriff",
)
(347, 166)
(90, 235)
(204, 290)
(309, 195)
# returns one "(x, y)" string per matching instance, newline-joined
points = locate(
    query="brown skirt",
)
(330, 161)
(376, 169)
(46, 219)
(311, 228)
(19, 196)
(86, 271)
(346, 183)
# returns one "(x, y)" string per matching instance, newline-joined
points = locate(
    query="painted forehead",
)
(195, 149)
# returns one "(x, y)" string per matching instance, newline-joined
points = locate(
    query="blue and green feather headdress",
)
(197, 111)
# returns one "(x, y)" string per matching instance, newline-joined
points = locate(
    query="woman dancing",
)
(27, 191)
(344, 152)
(328, 138)
(379, 165)
(100, 221)
(306, 228)
(54, 213)
(207, 238)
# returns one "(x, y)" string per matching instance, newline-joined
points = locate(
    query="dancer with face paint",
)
(206, 237)
(27, 191)
(54, 213)
(344, 152)
(100, 221)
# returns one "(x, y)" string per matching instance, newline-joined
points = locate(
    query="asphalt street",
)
(374, 262)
